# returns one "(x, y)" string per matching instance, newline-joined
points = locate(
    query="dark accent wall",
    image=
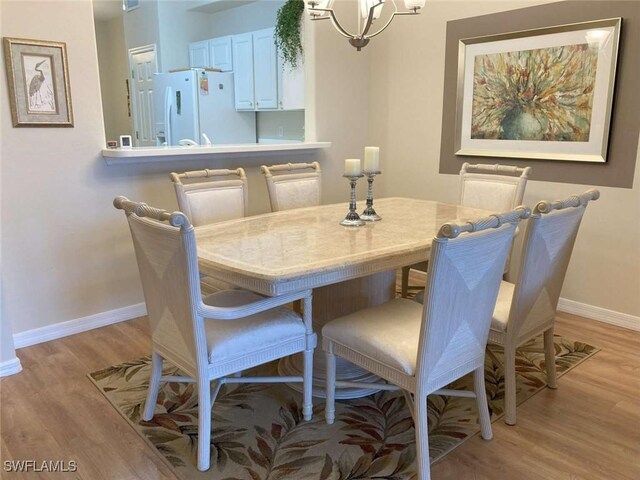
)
(619, 169)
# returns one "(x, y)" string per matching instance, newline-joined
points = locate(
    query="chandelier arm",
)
(334, 20)
(414, 12)
(367, 26)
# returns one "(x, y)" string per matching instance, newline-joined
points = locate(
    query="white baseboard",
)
(79, 325)
(10, 367)
(600, 314)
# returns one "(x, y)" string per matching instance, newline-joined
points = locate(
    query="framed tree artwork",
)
(545, 93)
(38, 80)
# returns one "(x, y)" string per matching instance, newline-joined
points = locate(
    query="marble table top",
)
(304, 248)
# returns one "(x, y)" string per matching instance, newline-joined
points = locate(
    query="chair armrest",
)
(232, 313)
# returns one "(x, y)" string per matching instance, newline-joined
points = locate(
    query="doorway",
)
(142, 65)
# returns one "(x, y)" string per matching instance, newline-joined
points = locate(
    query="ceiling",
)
(104, 10)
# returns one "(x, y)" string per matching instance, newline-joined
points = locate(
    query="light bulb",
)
(365, 6)
(412, 4)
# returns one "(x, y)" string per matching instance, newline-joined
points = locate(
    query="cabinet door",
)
(243, 71)
(266, 70)
(199, 54)
(220, 53)
(290, 85)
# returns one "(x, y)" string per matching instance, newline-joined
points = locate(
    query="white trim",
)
(10, 367)
(71, 327)
(600, 314)
(79, 325)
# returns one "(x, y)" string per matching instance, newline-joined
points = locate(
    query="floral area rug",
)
(258, 432)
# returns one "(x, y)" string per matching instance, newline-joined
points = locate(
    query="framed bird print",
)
(38, 78)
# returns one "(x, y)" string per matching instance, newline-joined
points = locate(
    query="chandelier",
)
(370, 10)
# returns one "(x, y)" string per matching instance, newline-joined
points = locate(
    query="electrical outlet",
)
(281, 131)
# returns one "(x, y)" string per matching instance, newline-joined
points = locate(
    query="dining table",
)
(347, 268)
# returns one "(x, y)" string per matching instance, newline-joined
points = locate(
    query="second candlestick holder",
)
(369, 214)
(352, 219)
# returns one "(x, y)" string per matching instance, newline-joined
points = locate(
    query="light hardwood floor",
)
(589, 428)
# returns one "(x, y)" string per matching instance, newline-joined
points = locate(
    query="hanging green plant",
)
(288, 31)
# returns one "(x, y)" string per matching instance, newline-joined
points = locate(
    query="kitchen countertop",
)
(125, 156)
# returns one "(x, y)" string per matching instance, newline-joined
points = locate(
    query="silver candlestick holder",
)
(369, 214)
(352, 219)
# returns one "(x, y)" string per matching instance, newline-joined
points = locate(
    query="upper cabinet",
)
(265, 70)
(290, 85)
(213, 53)
(199, 54)
(220, 55)
(262, 82)
(243, 71)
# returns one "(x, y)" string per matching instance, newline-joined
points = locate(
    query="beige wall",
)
(406, 111)
(7, 350)
(66, 251)
(247, 18)
(112, 60)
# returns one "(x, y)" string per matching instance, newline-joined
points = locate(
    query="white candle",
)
(371, 159)
(352, 167)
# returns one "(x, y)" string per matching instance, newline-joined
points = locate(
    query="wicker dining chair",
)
(210, 196)
(527, 307)
(489, 188)
(421, 349)
(209, 339)
(297, 187)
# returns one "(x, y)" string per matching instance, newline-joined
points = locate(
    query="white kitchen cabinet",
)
(243, 73)
(265, 70)
(290, 86)
(220, 53)
(199, 54)
(262, 81)
(212, 53)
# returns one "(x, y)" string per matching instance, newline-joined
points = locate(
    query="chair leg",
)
(481, 401)
(422, 437)
(509, 385)
(204, 424)
(330, 408)
(550, 358)
(405, 281)
(307, 401)
(154, 386)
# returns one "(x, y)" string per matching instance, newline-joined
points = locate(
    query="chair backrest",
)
(168, 265)
(490, 188)
(462, 286)
(210, 196)
(298, 187)
(547, 245)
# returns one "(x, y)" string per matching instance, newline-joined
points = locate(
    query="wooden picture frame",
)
(545, 93)
(38, 80)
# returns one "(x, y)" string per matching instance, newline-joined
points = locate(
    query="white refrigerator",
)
(195, 105)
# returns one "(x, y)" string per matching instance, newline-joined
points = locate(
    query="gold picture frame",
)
(545, 93)
(38, 79)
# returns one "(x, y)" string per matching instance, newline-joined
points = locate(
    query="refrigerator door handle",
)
(168, 96)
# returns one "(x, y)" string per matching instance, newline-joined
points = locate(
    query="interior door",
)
(142, 65)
